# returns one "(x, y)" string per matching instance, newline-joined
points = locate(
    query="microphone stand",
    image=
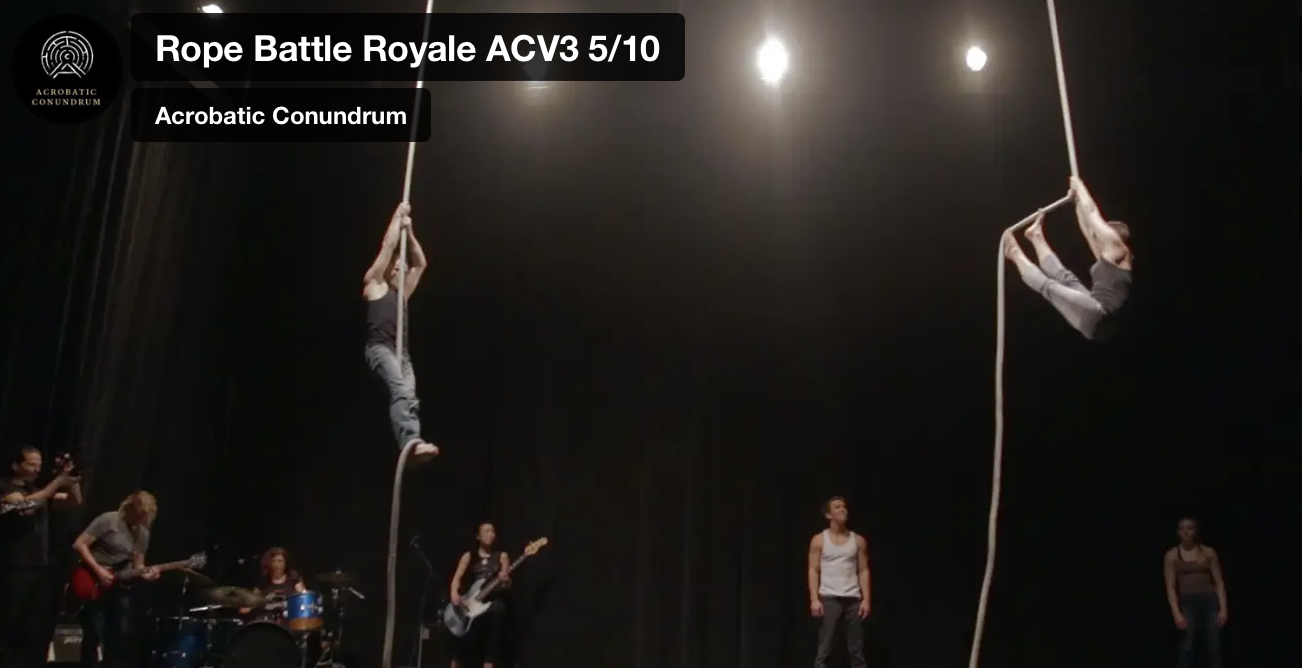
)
(424, 595)
(185, 588)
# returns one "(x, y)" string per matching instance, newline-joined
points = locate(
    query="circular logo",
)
(67, 69)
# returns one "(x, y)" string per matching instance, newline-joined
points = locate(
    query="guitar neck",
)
(492, 584)
(169, 566)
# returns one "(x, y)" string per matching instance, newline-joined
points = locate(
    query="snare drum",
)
(303, 611)
(183, 641)
(263, 645)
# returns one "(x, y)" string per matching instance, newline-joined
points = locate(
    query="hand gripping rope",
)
(391, 591)
(992, 529)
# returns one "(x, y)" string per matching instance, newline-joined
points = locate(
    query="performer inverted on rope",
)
(380, 288)
(1091, 311)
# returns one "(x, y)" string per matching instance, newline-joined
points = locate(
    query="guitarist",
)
(484, 563)
(25, 552)
(115, 540)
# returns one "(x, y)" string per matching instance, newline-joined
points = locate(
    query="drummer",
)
(277, 579)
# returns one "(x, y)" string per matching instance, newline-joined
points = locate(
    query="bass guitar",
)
(458, 618)
(6, 508)
(86, 587)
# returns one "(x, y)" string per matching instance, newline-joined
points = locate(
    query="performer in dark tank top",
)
(1092, 311)
(1196, 593)
(482, 564)
(278, 578)
(380, 289)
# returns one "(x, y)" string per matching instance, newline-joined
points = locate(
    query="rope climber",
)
(387, 285)
(1090, 311)
(407, 430)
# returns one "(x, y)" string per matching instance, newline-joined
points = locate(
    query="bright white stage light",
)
(210, 9)
(976, 59)
(772, 61)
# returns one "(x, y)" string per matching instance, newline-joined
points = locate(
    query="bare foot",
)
(1011, 249)
(423, 452)
(1036, 230)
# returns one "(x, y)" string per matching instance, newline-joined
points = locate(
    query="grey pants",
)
(841, 614)
(400, 380)
(1067, 293)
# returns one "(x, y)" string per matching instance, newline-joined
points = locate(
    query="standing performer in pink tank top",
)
(839, 586)
(1196, 593)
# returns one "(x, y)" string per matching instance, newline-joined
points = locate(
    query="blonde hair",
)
(142, 502)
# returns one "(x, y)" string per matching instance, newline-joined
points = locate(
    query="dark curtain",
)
(120, 313)
(662, 324)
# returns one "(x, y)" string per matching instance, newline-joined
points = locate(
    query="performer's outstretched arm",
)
(1107, 240)
(379, 268)
(418, 261)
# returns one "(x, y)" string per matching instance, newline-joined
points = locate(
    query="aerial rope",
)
(995, 481)
(391, 593)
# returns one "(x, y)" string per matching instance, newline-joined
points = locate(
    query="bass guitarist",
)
(113, 541)
(483, 563)
(25, 553)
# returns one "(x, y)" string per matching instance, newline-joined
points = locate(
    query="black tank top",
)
(486, 568)
(382, 321)
(286, 588)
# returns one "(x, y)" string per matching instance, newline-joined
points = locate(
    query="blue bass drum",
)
(303, 611)
(182, 643)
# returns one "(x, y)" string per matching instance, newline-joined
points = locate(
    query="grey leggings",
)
(1066, 292)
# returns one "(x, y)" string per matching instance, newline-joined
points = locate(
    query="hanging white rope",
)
(1062, 89)
(997, 476)
(992, 527)
(391, 592)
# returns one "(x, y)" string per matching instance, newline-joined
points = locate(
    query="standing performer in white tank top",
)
(840, 589)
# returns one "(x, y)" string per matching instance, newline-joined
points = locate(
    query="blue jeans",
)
(1200, 611)
(400, 380)
(108, 622)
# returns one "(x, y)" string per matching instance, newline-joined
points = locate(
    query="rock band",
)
(288, 620)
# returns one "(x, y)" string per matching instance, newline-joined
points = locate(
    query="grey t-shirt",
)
(115, 542)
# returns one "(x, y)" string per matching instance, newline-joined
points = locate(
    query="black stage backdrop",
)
(665, 321)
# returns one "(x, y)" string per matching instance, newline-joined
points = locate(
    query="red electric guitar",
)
(86, 588)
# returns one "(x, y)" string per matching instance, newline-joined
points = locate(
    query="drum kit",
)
(300, 630)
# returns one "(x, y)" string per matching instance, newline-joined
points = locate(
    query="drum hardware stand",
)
(185, 588)
(338, 595)
(208, 621)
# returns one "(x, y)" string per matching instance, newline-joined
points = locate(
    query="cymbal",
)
(231, 597)
(337, 578)
(195, 576)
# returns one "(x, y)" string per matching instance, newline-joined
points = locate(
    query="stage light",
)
(536, 69)
(976, 59)
(210, 9)
(772, 61)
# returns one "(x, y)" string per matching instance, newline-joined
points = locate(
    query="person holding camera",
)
(25, 552)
